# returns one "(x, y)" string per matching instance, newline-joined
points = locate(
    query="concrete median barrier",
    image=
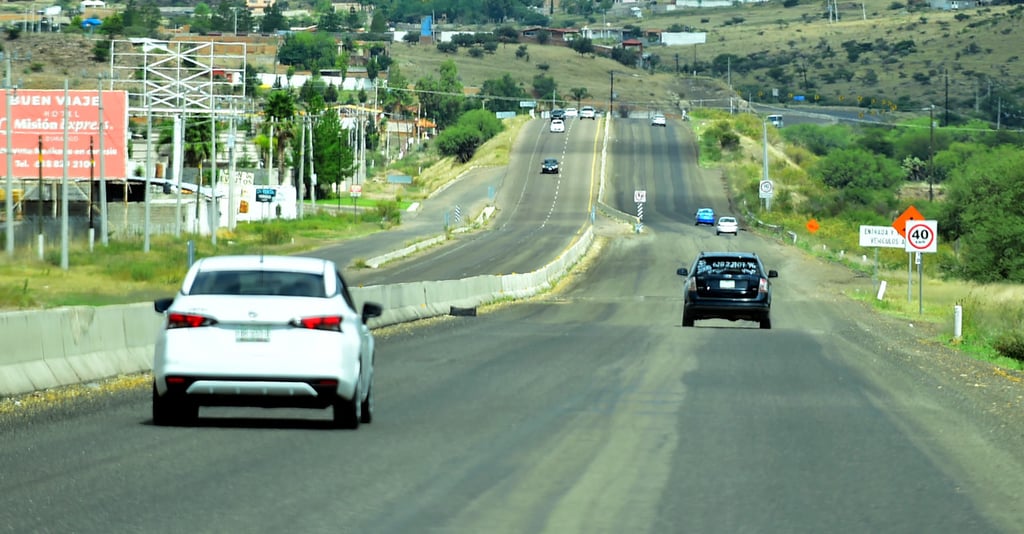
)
(43, 349)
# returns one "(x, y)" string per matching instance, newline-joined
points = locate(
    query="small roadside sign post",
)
(900, 224)
(265, 195)
(640, 197)
(922, 236)
(355, 191)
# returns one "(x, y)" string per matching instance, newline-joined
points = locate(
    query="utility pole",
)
(312, 171)
(931, 151)
(64, 185)
(232, 178)
(302, 167)
(8, 201)
(214, 211)
(149, 170)
(103, 174)
(92, 185)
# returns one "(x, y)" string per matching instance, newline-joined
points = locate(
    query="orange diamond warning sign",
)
(909, 214)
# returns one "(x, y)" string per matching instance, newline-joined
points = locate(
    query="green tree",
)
(579, 93)
(280, 109)
(396, 96)
(333, 158)
(458, 141)
(582, 45)
(985, 211)
(441, 98)
(308, 50)
(379, 23)
(196, 145)
(273, 19)
(101, 50)
(544, 87)
(855, 167)
(505, 93)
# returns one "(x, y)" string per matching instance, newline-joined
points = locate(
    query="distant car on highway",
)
(265, 331)
(704, 216)
(727, 225)
(558, 114)
(549, 166)
(571, 112)
(557, 126)
(658, 120)
(727, 285)
(588, 112)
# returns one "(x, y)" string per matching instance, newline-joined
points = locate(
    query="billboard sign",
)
(38, 115)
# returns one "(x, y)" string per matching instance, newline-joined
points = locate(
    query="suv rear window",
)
(283, 283)
(713, 265)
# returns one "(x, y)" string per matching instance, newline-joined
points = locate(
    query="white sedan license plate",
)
(727, 284)
(248, 335)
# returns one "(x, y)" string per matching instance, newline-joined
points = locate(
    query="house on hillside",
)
(556, 35)
(258, 7)
(606, 33)
(952, 5)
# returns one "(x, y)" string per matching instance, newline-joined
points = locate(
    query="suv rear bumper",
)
(732, 310)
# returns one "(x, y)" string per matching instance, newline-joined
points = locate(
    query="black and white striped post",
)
(640, 197)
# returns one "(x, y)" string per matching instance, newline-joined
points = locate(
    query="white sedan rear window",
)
(283, 283)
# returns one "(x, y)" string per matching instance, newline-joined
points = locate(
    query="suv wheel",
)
(687, 320)
(766, 323)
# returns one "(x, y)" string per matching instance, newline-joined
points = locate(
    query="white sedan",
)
(658, 120)
(727, 225)
(557, 126)
(266, 331)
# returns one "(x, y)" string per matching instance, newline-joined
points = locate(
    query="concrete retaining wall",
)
(42, 349)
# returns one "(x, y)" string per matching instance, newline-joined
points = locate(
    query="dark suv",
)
(558, 114)
(727, 285)
(550, 166)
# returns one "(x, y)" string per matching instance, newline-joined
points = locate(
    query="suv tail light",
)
(188, 320)
(330, 323)
(692, 285)
(762, 285)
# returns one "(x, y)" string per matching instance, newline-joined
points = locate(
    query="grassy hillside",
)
(883, 57)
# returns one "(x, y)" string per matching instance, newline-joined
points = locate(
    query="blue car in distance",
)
(704, 216)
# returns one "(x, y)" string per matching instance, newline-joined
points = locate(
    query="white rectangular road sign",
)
(881, 236)
(922, 236)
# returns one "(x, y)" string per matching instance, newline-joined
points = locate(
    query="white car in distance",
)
(572, 112)
(658, 120)
(588, 112)
(264, 331)
(557, 126)
(727, 225)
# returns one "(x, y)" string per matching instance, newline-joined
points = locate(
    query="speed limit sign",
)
(922, 236)
(766, 189)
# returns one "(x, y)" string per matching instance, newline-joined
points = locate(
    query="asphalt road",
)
(588, 409)
(538, 215)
